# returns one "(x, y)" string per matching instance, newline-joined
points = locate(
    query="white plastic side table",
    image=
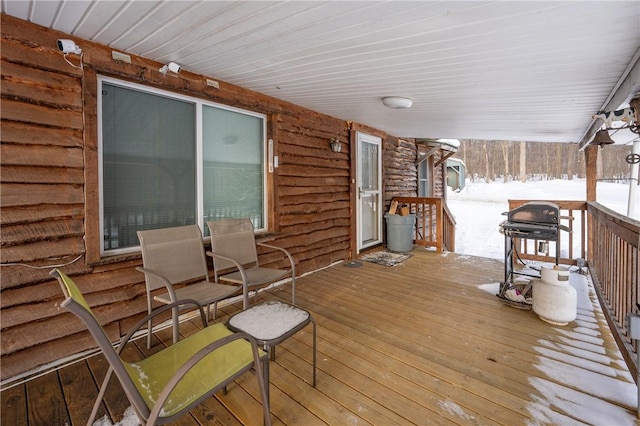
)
(271, 323)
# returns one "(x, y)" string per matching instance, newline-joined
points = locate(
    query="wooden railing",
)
(435, 225)
(615, 269)
(608, 241)
(572, 244)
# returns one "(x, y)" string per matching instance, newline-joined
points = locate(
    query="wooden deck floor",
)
(418, 343)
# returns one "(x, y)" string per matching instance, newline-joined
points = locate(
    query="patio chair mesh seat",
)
(152, 374)
(235, 257)
(173, 256)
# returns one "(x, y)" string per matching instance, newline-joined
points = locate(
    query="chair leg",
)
(266, 396)
(103, 389)
(176, 334)
(261, 369)
(293, 290)
(149, 325)
(208, 314)
(245, 300)
(313, 322)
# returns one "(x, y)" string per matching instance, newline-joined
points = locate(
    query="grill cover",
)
(536, 212)
(539, 220)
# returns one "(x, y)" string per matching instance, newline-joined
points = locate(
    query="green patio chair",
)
(172, 256)
(169, 383)
(234, 249)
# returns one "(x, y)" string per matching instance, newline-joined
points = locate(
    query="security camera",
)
(68, 46)
(171, 66)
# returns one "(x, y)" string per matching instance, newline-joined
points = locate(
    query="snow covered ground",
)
(478, 211)
(479, 206)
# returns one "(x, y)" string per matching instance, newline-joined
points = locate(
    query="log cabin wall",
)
(440, 176)
(399, 170)
(49, 191)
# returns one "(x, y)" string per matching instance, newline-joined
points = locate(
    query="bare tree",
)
(570, 159)
(505, 156)
(487, 170)
(523, 161)
(486, 159)
(557, 162)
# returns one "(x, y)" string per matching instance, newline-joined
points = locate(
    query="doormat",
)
(385, 258)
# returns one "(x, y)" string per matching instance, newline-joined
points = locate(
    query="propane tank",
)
(554, 299)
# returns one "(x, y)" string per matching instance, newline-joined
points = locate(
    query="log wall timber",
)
(399, 170)
(440, 176)
(48, 179)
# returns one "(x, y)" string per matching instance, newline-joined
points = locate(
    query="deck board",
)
(80, 392)
(14, 406)
(418, 343)
(45, 402)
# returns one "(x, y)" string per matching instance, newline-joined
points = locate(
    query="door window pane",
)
(369, 166)
(370, 218)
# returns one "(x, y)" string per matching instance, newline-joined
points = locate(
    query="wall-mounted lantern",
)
(335, 144)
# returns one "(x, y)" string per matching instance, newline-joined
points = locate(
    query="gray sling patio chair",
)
(172, 256)
(171, 382)
(234, 249)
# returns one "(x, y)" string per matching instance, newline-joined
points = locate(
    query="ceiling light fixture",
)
(397, 102)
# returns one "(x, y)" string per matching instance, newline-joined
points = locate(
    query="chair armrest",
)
(165, 281)
(219, 256)
(157, 312)
(229, 259)
(291, 261)
(197, 357)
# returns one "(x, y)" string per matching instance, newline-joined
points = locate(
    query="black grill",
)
(535, 220)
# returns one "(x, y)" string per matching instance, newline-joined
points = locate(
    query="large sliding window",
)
(169, 160)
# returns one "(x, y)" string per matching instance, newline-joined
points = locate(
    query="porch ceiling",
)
(534, 71)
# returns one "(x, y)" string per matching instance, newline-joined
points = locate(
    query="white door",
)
(369, 194)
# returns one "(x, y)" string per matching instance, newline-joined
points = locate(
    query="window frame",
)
(267, 160)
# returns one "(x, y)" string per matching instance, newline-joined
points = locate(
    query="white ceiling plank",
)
(70, 14)
(18, 8)
(43, 12)
(519, 70)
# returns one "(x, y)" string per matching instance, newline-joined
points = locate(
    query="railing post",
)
(439, 227)
(632, 322)
(633, 203)
(591, 160)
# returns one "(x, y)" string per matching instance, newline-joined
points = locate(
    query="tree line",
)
(489, 160)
